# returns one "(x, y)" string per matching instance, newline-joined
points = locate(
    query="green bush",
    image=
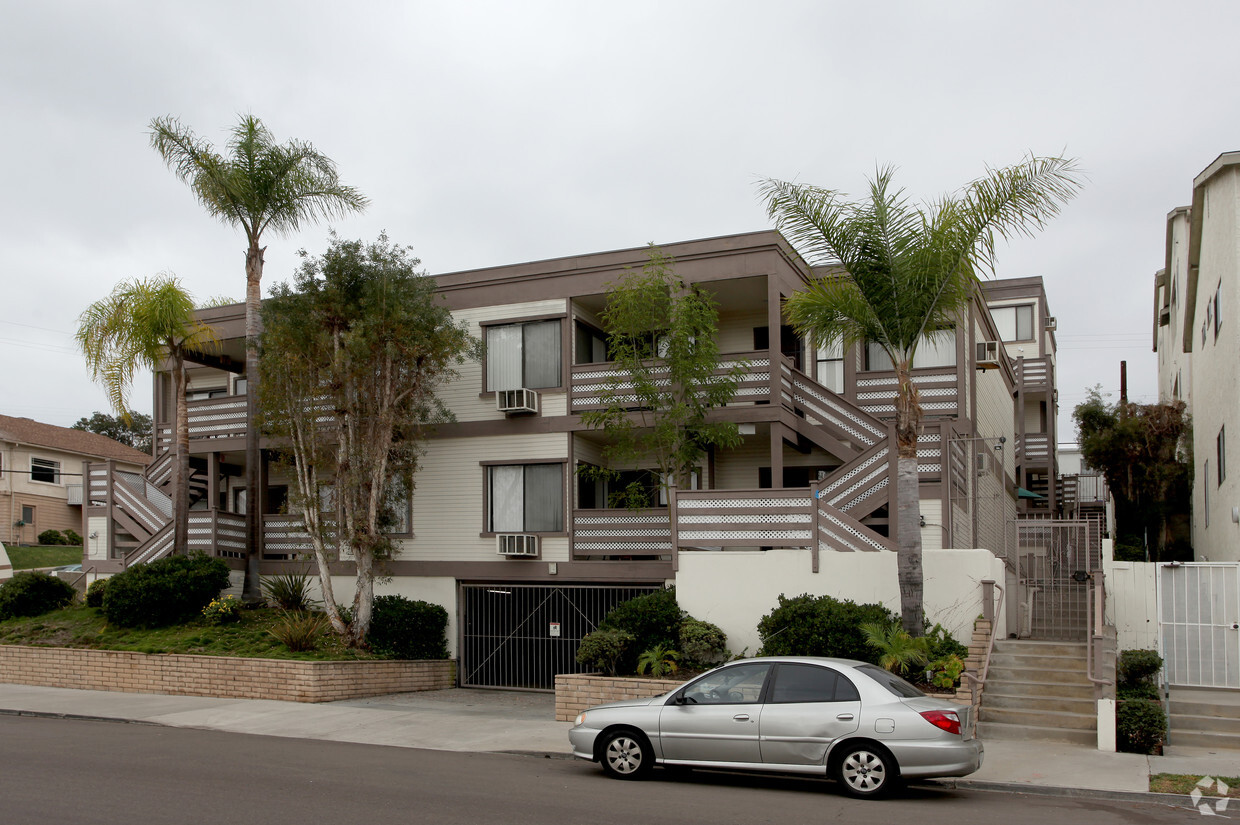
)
(72, 538)
(660, 661)
(299, 631)
(943, 644)
(603, 649)
(223, 611)
(167, 591)
(401, 628)
(1138, 667)
(1128, 548)
(94, 593)
(1140, 725)
(702, 643)
(290, 591)
(820, 626)
(32, 594)
(653, 619)
(51, 537)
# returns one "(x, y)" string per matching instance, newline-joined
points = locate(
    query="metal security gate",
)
(1054, 559)
(522, 635)
(1199, 610)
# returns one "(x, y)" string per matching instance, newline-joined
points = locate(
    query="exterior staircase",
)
(1204, 718)
(1039, 690)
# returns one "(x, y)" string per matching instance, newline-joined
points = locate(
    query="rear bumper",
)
(953, 758)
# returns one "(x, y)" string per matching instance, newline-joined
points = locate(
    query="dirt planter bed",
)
(574, 692)
(224, 677)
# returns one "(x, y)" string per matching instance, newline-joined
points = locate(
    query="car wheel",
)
(626, 755)
(867, 772)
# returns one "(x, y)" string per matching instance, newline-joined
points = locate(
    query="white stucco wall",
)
(736, 589)
(1132, 603)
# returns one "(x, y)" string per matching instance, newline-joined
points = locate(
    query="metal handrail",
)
(1094, 602)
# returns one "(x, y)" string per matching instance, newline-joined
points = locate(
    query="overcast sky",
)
(488, 133)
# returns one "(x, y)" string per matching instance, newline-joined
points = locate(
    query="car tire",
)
(626, 755)
(867, 772)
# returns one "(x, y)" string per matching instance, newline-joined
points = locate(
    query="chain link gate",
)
(522, 635)
(1054, 558)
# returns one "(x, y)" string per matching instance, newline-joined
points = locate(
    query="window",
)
(1221, 443)
(525, 498)
(935, 349)
(27, 514)
(396, 509)
(737, 685)
(893, 683)
(48, 472)
(1218, 309)
(1014, 323)
(590, 345)
(811, 683)
(523, 355)
(829, 366)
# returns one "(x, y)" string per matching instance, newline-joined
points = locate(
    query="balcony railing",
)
(1083, 489)
(1034, 449)
(1035, 374)
(938, 387)
(590, 383)
(614, 532)
(210, 418)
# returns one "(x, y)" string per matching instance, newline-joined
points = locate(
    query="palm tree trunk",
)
(180, 467)
(908, 498)
(251, 591)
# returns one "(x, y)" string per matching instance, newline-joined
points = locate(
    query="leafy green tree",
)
(661, 337)
(133, 429)
(906, 272)
(1145, 452)
(354, 350)
(141, 323)
(259, 186)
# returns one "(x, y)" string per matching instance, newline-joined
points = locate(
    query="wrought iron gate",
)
(1199, 610)
(1054, 558)
(522, 635)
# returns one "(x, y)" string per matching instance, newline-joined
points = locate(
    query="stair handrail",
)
(1095, 599)
(976, 683)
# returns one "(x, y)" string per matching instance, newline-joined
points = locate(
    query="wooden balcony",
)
(210, 418)
(589, 384)
(1034, 450)
(939, 388)
(1035, 374)
(618, 532)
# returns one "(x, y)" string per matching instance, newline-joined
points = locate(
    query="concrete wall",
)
(735, 589)
(1132, 603)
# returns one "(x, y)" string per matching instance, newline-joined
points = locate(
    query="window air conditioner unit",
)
(987, 355)
(517, 545)
(1052, 323)
(985, 463)
(511, 402)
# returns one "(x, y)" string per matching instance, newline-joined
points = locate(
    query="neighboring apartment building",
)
(1197, 338)
(501, 523)
(41, 475)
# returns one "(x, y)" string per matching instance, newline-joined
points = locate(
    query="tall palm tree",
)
(907, 272)
(135, 328)
(259, 186)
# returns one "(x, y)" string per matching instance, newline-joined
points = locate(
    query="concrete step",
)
(1026, 674)
(1039, 689)
(1202, 739)
(1000, 730)
(1039, 718)
(1024, 660)
(1180, 707)
(1037, 648)
(1208, 723)
(1084, 707)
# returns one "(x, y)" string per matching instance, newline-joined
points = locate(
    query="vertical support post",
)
(774, 320)
(213, 481)
(988, 601)
(111, 503)
(672, 531)
(815, 519)
(777, 455)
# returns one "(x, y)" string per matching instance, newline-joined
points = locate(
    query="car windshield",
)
(892, 682)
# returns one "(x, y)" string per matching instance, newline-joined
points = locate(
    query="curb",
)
(1171, 799)
(78, 717)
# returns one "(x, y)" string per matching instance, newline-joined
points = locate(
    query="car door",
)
(715, 718)
(808, 706)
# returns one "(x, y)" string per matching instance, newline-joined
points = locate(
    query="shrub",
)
(820, 626)
(299, 631)
(702, 643)
(603, 649)
(32, 594)
(1137, 667)
(72, 538)
(943, 644)
(94, 593)
(223, 611)
(167, 591)
(897, 651)
(659, 660)
(653, 619)
(51, 537)
(401, 628)
(1140, 726)
(290, 591)
(945, 672)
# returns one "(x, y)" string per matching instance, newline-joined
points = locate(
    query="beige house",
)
(41, 476)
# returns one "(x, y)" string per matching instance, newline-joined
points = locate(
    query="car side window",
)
(810, 683)
(737, 685)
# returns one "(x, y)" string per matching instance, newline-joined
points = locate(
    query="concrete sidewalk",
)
(516, 722)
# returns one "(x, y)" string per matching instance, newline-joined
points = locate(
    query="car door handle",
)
(844, 717)
(741, 717)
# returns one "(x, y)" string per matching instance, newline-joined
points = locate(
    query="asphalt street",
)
(72, 771)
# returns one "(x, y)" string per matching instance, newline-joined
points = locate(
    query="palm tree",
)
(135, 328)
(260, 185)
(906, 273)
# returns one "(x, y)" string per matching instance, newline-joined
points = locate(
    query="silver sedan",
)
(844, 719)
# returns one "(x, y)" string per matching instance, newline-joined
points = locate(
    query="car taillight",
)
(944, 719)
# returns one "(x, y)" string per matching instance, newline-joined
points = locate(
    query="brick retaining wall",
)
(225, 677)
(574, 692)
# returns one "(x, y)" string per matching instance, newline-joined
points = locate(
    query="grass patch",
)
(1184, 784)
(86, 627)
(25, 558)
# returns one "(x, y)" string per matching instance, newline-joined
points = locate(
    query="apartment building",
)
(504, 531)
(1197, 338)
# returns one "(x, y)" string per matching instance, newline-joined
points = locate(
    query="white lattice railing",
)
(594, 385)
(614, 532)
